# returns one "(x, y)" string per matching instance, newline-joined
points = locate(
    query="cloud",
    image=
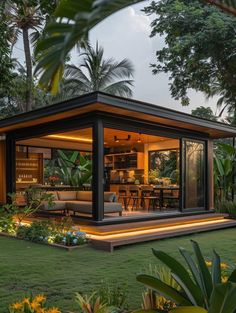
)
(125, 34)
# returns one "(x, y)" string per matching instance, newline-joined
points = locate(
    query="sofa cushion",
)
(79, 206)
(84, 195)
(112, 207)
(86, 206)
(109, 196)
(53, 194)
(67, 195)
(57, 205)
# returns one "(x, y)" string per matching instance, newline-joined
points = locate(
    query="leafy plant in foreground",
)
(198, 286)
(35, 198)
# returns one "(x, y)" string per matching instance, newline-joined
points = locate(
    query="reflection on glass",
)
(164, 166)
(194, 175)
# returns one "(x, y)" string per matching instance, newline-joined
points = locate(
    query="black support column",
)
(98, 170)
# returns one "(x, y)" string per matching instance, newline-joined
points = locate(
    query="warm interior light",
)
(70, 138)
(139, 138)
(116, 139)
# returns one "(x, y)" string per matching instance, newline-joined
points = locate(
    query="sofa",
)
(80, 202)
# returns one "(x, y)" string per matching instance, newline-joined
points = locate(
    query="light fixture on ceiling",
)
(116, 139)
(139, 138)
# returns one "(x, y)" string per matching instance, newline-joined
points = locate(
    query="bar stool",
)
(134, 197)
(122, 195)
(148, 195)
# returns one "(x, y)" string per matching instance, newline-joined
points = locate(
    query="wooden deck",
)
(109, 237)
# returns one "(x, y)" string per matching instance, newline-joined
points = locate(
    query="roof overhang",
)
(118, 106)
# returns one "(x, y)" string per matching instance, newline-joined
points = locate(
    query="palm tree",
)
(75, 20)
(95, 73)
(22, 19)
(25, 19)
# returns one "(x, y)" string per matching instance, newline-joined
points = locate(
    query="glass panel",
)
(63, 166)
(141, 174)
(194, 174)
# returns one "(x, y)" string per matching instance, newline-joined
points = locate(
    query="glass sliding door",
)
(194, 178)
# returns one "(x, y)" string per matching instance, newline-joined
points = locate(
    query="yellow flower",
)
(40, 298)
(224, 266)
(17, 306)
(35, 305)
(224, 279)
(26, 301)
(53, 310)
(208, 263)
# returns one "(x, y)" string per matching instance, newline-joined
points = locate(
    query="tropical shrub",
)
(224, 164)
(109, 297)
(91, 304)
(48, 232)
(7, 224)
(114, 295)
(35, 198)
(35, 304)
(37, 231)
(151, 300)
(198, 285)
(227, 206)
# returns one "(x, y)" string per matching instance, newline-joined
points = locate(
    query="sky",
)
(126, 34)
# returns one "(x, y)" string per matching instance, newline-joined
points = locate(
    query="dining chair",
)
(134, 197)
(123, 196)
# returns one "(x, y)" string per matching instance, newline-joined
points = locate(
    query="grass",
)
(31, 268)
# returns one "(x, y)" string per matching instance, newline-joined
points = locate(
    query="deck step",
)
(153, 224)
(109, 242)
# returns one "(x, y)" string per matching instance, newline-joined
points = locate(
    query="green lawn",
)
(26, 267)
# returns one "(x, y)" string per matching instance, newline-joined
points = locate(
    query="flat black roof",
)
(119, 103)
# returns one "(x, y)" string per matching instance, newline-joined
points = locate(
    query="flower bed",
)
(57, 234)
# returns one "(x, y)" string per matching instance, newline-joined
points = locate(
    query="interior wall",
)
(2, 171)
(160, 145)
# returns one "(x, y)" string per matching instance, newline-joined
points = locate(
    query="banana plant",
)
(199, 287)
(224, 165)
(73, 20)
(75, 169)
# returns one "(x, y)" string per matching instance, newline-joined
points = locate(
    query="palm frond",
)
(120, 88)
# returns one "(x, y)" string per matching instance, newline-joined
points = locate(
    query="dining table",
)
(162, 190)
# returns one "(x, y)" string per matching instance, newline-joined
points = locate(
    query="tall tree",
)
(200, 50)
(95, 73)
(61, 36)
(5, 56)
(25, 19)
